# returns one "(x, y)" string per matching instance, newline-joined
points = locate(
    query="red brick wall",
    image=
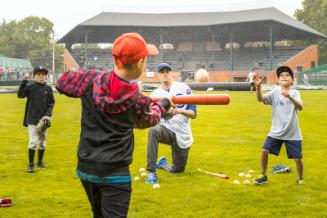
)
(304, 58)
(69, 61)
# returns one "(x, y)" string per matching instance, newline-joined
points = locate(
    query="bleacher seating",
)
(243, 59)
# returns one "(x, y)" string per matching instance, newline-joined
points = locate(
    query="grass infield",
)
(227, 139)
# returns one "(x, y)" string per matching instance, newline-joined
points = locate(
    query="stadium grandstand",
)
(227, 44)
(13, 68)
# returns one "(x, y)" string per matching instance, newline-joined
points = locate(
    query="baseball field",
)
(227, 139)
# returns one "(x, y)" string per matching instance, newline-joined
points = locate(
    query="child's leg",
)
(264, 161)
(32, 145)
(294, 151)
(41, 150)
(299, 167)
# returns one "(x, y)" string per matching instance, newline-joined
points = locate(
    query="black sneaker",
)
(30, 168)
(261, 179)
(41, 165)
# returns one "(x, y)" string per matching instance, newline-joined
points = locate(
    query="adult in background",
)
(251, 77)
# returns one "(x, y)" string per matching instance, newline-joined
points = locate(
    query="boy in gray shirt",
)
(285, 103)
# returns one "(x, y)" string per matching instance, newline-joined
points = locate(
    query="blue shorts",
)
(293, 147)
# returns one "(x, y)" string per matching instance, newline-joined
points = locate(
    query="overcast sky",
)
(66, 14)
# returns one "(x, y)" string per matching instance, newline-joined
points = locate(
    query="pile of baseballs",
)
(143, 174)
(244, 175)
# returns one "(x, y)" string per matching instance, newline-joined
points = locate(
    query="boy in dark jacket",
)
(111, 107)
(38, 110)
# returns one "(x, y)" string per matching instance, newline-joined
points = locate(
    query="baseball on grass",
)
(143, 174)
(142, 170)
(201, 76)
(136, 179)
(248, 175)
(246, 182)
(236, 182)
(241, 174)
(156, 186)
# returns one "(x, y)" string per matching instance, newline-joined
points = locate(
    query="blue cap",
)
(162, 66)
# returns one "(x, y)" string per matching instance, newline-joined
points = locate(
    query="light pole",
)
(94, 63)
(53, 40)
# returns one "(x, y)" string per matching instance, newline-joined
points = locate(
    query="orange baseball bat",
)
(201, 99)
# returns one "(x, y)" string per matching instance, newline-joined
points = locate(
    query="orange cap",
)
(129, 48)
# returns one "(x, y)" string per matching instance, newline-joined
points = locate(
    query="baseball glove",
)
(279, 168)
(43, 124)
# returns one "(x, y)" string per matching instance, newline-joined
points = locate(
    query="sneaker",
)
(300, 182)
(41, 165)
(261, 179)
(162, 161)
(152, 178)
(30, 168)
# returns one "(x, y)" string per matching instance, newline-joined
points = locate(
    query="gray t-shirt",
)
(284, 114)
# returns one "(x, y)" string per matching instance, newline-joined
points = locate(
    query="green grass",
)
(227, 139)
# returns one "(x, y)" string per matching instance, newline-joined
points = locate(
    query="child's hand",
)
(26, 77)
(258, 79)
(173, 111)
(286, 94)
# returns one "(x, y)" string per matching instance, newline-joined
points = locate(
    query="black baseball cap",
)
(282, 69)
(40, 69)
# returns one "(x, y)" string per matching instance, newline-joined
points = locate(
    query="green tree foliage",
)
(30, 38)
(314, 14)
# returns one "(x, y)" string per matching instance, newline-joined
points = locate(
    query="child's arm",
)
(258, 81)
(50, 104)
(23, 89)
(148, 114)
(74, 84)
(297, 103)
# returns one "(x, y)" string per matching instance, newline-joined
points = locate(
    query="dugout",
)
(316, 76)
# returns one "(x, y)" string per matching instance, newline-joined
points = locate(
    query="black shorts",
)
(293, 147)
(108, 200)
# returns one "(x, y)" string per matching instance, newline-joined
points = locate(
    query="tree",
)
(30, 39)
(314, 14)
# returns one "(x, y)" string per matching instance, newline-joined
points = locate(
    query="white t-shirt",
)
(284, 114)
(250, 77)
(179, 124)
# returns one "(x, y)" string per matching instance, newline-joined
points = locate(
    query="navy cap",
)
(162, 66)
(282, 69)
(40, 69)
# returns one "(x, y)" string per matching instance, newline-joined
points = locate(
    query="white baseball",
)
(241, 174)
(143, 174)
(136, 179)
(248, 175)
(142, 170)
(201, 75)
(156, 186)
(246, 182)
(236, 182)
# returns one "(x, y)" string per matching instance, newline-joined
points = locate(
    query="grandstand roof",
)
(246, 25)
